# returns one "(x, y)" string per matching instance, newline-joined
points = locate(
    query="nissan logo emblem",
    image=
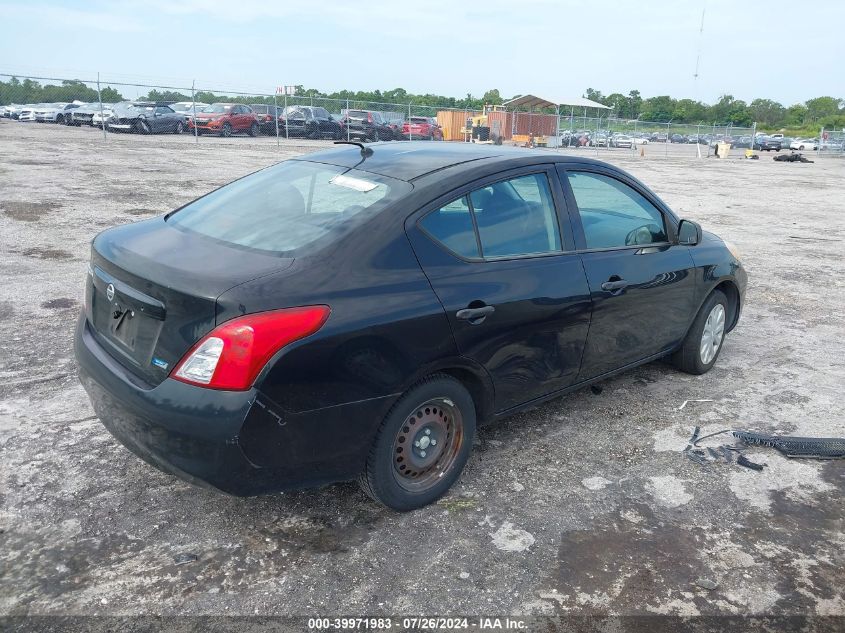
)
(110, 292)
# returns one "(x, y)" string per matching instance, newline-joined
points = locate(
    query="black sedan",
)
(354, 313)
(146, 118)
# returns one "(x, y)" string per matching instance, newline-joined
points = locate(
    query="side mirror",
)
(689, 233)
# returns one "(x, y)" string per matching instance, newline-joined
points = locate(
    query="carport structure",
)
(532, 103)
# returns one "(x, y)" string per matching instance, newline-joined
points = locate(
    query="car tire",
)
(405, 468)
(801, 147)
(226, 130)
(142, 127)
(705, 339)
(179, 128)
(253, 130)
(60, 119)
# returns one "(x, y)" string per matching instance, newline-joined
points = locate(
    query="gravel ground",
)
(582, 506)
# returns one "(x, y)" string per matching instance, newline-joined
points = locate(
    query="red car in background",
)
(422, 127)
(225, 119)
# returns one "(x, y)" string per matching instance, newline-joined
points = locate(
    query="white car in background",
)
(107, 113)
(11, 111)
(56, 112)
(640, 140)
(187, 107)
(804, 143)
(27, 112)
(621, 140)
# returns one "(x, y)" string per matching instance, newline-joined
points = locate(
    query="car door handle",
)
(475, 315)
(617, 284)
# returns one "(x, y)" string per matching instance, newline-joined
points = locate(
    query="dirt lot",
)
(582, 506)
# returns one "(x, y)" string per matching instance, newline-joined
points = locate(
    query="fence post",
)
(194, 105)
(276, 115)
(287, 114)
(410, 132)
(348, 137)
(100, 99)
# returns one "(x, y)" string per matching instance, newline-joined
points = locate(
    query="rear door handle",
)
(475, 315)
(618, 284)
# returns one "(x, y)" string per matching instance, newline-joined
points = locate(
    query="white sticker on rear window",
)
(358, 184)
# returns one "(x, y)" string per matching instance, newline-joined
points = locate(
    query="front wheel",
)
(179, 128)
(142, 127)
(227, 129)
(703, 342)
(422, 446)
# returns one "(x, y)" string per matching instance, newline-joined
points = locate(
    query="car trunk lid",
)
(152, 291)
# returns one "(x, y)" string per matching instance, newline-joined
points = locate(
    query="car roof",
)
(414, 159)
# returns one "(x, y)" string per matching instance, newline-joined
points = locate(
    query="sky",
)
(783, 50)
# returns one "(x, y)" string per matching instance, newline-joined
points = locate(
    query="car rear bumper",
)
(238, 442)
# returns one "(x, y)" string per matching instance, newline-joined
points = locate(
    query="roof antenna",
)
(365, 151)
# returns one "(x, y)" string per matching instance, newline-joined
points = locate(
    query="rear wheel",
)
(253, 129)
(60, 118)
(703, 342)
(422, 446)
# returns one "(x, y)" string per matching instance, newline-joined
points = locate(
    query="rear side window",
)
(509, 218)
(516, 217)
(452, 226)
(289, 206)
(613, 214)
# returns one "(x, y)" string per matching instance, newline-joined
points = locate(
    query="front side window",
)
(516, 217)
(613, 214)
(289, 206)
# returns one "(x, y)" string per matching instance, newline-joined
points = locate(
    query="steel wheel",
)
(427, 445)
(713, 333)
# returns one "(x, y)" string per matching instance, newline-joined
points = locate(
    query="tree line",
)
(768, 114)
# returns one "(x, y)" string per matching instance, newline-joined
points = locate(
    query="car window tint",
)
(452, 226)
(613, 214)
(516, 217)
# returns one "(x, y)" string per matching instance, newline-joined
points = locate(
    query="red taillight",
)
(233, 354)
(369, 117)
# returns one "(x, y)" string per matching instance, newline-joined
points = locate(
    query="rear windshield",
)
(289, 206)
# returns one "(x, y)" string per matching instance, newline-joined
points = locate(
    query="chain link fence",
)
(120, 107)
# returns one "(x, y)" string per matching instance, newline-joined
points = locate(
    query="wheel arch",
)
(731, 291)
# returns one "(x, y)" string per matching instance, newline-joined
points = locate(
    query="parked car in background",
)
(86, 113)
(267, 116)
(100, 118)
(187, 108)
(640, 140)
(11, 111)
(804, 144)
(678, 138)
(225, 119)
(768, 144)
(146, 118)
(356, 314)
(56, 112)
(422, 127)
(27, 112)
(601, 139)
(622, 140)
(310, 122)
(367, 125)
